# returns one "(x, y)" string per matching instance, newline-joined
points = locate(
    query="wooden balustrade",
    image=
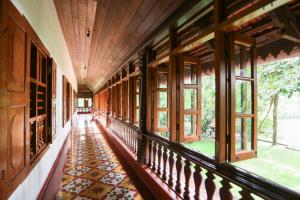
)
(102, 117)
(84, 109)
(192, 175)
(199, 177)
(128, 133)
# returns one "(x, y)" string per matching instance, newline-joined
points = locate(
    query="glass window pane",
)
(190, 99)
(243, 134)
(137, 100)
(162, 119)
(137, 85)
(162, 80)
(190, 125)
(80, 102)
(90, 102)
(164, 134)
(137, 115)
(208, 98)
(243, 97)
(162, 99)
(242, 60)
(190, 74)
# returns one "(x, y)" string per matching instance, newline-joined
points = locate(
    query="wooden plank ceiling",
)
(100, 34)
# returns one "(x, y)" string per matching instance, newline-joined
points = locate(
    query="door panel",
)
(16, 106)
(16, 72)
(17, 131)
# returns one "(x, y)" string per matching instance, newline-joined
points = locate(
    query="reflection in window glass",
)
(243, 97)
(162, 80)
(162, 99)
(162, 119)
(190, 99)
(243, 136)
(190, 125)
(190, 74)
(242, 61)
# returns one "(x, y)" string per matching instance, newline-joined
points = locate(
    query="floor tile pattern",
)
(92, 171)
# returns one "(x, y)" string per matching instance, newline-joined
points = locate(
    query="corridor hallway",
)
(92, 170)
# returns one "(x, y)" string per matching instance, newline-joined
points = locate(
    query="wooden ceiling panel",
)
(100, 34)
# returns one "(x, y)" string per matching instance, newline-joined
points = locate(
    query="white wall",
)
(43, 18)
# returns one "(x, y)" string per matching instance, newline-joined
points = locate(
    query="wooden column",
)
(144, 58)
(220, 70)
(172, 85)
(130, 94)
(108, 99)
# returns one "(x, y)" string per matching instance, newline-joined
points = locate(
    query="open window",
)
(136, 100)
(161, 108)
(190, 99)
(242, 95)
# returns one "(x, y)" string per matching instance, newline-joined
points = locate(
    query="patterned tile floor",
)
(92, 170)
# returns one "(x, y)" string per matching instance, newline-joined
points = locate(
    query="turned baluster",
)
(154, 156)
(246, 194)
(171, 163)
(149, 152)
(136, 140)
(187, 175)
(158, 159)
(165, 157)
(210, 185)
(132, 140)
(197, 181)
(225, 193)
(178, 170)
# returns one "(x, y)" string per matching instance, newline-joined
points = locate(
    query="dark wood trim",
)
(61, 157)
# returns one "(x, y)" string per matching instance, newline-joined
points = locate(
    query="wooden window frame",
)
(197, 111)
(135, 93)
(233, 155)
(156, 91)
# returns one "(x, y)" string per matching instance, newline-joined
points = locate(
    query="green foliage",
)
(208, 105)
(276, 78)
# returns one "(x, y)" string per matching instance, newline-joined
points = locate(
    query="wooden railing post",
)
(107, 104)
(143, 103)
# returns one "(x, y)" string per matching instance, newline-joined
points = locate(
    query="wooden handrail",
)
(177, 165)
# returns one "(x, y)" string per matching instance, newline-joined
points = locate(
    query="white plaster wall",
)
(43, 18)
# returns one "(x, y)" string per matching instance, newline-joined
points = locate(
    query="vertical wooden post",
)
(172, 91)
(130, 94)
(144, 58)
(220, 70)
(108, 99)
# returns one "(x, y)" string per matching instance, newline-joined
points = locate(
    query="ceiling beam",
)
(284, 19)
(252, 12)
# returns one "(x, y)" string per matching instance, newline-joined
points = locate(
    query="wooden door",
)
(16, 98)
(242, 98)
